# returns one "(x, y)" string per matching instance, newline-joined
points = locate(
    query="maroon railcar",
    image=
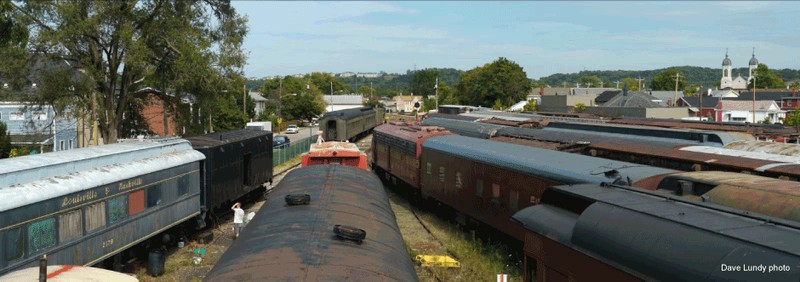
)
(396, 150)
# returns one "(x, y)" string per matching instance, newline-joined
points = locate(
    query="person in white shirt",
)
(238, 219)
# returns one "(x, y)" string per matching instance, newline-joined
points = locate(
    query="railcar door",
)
(330, 130)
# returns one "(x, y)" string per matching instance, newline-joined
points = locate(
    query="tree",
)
(792, 118)
(5, 141)
(530, 106)
(423, 82)
(304, 106)
(324, 81)
(590, 81)
(691, 90)
(765, 78)
(428, 104)
(631, 83)
(500, 83)
(795, 85)
(120, 47)
(665, 80)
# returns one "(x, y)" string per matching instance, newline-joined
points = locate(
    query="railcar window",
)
(154, 195)
(95, 216)
(495, 190)
(41, 235)
(479, 188)
(428, 168)
(513, 200)
(458, 180)
(441, 174)
(70, 225)
(13, 244)
(117, 209)
(183, 185)
(136, 202)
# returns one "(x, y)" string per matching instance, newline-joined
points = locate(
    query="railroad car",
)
(465, 128)
(85, 205)
(333, 152)
(396, 150)
(238, 163)
(488, 181)
(582, 232)
(350, 124)
(758, 129)
(322, 223)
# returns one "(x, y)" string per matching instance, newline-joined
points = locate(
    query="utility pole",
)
(675, 96)
(699, 91)
(436, 89)
(617, 82)
(244, 99)
(754, 102)
(331, 97)
(640, 79)
(601, 84)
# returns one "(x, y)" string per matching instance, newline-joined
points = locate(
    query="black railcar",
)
(238, 163)
(320, 240)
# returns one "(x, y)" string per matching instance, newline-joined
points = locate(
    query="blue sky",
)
(543, 37)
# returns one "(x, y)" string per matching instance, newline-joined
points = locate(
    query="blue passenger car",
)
(85, 205)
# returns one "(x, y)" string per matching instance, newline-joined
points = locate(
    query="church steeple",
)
(726, 80)
(752, 66)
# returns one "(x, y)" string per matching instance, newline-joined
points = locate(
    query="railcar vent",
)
(298, 199)
(349, 233)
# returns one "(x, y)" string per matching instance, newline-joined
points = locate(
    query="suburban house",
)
(38, 127)
(343, 102)
(742, 111)
(707, 109)
(406, 103)
(636, 104)
(260, 101)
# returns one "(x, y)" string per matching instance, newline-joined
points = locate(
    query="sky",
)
(544, 38)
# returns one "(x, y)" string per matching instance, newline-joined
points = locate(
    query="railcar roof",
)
(34, 167)
(347, 113)
(465, 128)
(31, 191)
(290, 243)
(563, 167)
(661, 237)
(224, 137)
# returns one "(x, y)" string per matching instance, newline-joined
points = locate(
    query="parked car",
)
(292, 129)
(280, 141)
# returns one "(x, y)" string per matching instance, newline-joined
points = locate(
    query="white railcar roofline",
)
(31, 192)
(34, 167)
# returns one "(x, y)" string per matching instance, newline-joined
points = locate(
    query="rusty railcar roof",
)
(297, 243)
(572, 136)
(786, 149)
(706, 136)
(559, 166)
(224, 137)
(663, 238)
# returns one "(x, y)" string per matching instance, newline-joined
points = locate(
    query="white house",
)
(260, 101)
(742, 111)
(406, 103)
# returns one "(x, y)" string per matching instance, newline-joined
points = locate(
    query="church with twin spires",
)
(738, 83)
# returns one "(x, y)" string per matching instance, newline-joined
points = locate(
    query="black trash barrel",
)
(155, 262)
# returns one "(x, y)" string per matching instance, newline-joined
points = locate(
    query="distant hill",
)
(392, 84)
(706, 77)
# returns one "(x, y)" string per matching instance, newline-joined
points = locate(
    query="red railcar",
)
(396, 150)
(335, 153)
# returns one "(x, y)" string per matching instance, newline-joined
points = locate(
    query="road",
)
(304, 132)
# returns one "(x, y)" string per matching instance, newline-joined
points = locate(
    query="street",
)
(304, 132)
